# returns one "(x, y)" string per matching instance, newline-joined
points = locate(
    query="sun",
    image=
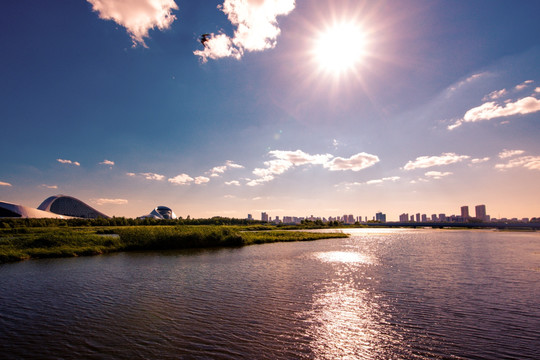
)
(340, 48)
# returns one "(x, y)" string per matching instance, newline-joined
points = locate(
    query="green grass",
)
(46, 242)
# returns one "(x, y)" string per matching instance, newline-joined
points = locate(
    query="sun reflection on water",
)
(345, 257)
(344, 315)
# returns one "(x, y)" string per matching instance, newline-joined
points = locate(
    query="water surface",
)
(382, 293)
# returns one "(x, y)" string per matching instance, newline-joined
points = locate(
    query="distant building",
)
(418, 217)
(70, 206)
(465, 212)
(434, 217)
(160, 213)
(380, 217)
(442, 217)
(404, 218)
(424, 218)
(9, 210)
(481, 212)
(250, 217)
(264, 216)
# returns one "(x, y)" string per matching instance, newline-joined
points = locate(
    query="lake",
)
(380, 294)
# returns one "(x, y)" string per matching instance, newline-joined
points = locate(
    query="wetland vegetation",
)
(22, 239)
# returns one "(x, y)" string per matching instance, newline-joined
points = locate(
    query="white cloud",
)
(423, 162)
(152, 176)
(107, 162)
(232, 183)
(148, 176)
(299, 157)
(2, 183)
(523, 85)
(63, 161)
(137, 16)
(509, 153)
(256, 28)
(182, 179)
(479, 160)
(356, 162)
(537, 90)
(527, 162)
(110, 201)
(437, 174)
(491, 110)
(229, 196)
(284, 160)
(49, 186)
(232, 164)
(217, 170)
(201, 180)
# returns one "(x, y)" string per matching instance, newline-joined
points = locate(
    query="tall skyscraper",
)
(465, 212)
(264, 216)
(481, 212)
(380, 217)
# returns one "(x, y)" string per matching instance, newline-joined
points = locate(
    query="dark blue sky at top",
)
(72, 86)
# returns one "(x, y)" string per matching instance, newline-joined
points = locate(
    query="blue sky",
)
(422, 106)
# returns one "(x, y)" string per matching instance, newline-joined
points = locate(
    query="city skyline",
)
(286, 107)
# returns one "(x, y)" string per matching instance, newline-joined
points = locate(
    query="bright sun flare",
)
(340, 48)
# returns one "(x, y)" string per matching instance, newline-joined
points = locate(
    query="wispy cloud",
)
(218, 170)
(102, 201)
(468, 80)
(49, 186)
(527, 162)
(371, 182)
(509, 153)
(3, 183)
(437, 174)
(380, 181)
(107, 163)
(479, 160)
(182, 179)
(137, 16)
(497, 94)
(423, 162)
(232, 183)
(523, 85)
(256, 28)
(69, 162)
(148, 176)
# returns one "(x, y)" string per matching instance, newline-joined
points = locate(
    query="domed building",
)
(70, 206)
(160, 212)
(9, 210)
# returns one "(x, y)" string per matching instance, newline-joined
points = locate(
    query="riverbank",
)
(50, 242)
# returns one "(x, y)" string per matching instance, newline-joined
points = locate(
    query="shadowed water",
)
(383, 293)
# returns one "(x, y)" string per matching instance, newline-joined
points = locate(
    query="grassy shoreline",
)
(53, 242)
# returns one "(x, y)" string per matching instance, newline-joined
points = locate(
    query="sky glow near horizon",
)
(295, 108)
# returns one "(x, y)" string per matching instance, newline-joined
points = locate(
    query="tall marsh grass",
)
(28, 243)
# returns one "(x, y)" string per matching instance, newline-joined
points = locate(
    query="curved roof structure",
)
(20, 211)
(161, 212)
(70, 206)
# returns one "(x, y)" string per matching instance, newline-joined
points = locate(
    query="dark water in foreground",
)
(386, 293)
